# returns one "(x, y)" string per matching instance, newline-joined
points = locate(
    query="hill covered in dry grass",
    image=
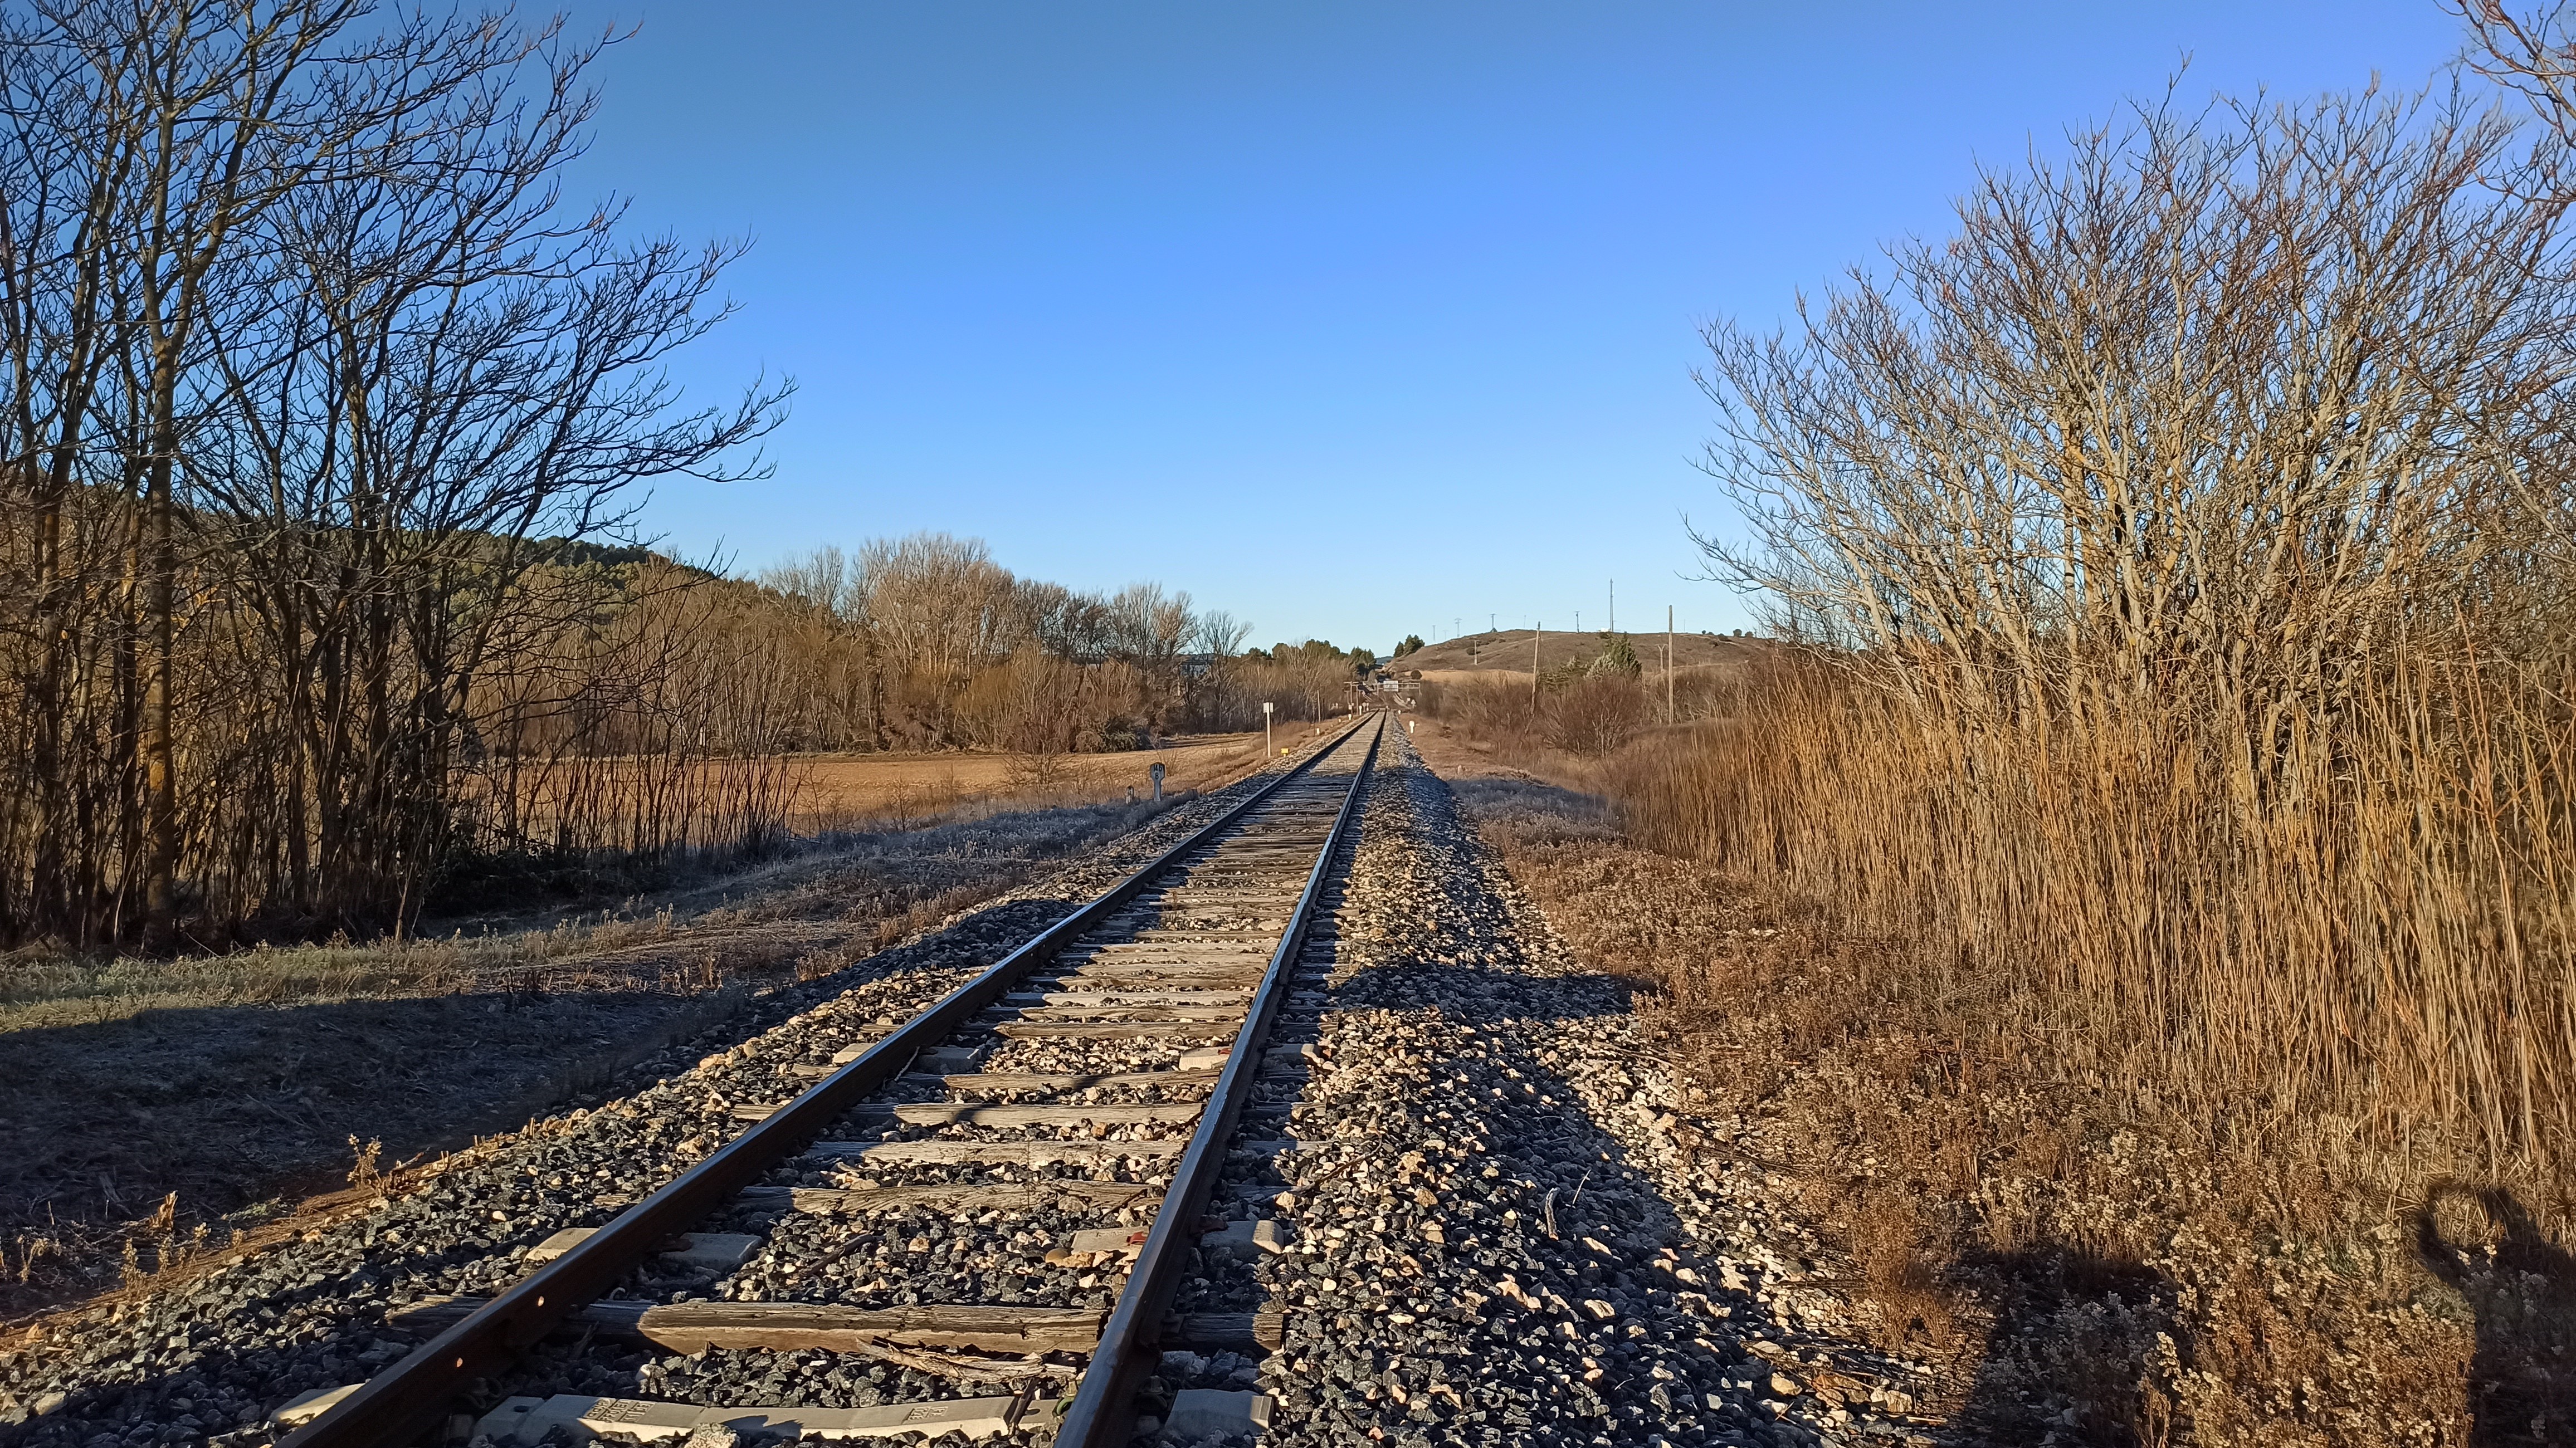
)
(1510, 651)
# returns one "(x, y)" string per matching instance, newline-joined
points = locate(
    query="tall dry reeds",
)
(2182, 550)
(2392, 946)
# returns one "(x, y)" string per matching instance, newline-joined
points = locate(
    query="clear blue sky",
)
(1352, 318)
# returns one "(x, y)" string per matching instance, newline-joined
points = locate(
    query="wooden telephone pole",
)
(1668, 662)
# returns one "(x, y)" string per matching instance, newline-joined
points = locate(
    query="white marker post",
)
(1265, 732)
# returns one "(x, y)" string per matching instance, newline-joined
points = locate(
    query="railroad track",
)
(1060, 1123)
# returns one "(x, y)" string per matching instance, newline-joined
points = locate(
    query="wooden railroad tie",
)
(1076, 1080)
(969, 1113)
(1167, 973)
(992, 1153)
(952, 1196)
(688, 1327)
(1142, 996)
(1134, 1015)
(1116, 1030)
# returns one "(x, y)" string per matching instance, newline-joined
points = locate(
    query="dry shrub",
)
(923, 914)
(1586, 711)
(2171, 822)
(1596, 714)
(2169, 667)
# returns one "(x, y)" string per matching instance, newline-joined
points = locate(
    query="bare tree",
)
(1221, 633)
(941, 603)
(2192, 650)
(310, 362)
(2525, 49)
(146, 141)
(2213, 403)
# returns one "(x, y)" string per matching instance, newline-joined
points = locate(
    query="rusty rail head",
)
(406, 1399)
(1102, 1412)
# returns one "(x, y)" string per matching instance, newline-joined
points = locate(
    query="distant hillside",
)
(1508, 650)
(612, 555)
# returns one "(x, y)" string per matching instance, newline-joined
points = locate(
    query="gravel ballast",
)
(1494, 1224)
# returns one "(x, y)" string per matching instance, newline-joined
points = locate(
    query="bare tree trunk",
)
(160, 778)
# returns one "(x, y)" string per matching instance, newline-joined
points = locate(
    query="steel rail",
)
(405, 1399)
(1102, 1413)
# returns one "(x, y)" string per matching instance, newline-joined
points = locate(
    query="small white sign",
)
(1265, 708)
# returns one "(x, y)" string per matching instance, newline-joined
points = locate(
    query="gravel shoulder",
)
(1507, 1224)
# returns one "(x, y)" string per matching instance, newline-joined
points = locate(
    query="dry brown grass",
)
(2088, 1215)
(1574, 711)
(1508, 651)
(2385, 938)
(44, 989)
(859, 791)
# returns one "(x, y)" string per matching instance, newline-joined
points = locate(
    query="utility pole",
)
(1668, 663)
(1614, 605)
(1534, 628)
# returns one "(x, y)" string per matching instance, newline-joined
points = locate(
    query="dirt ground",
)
(1454, 757)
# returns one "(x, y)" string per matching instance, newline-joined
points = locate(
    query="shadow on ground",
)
(233, 1105)
(2062, 1362)
(2521, 1292)
(2069, 1328)
(2064, 1357)
(2076, 1345)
